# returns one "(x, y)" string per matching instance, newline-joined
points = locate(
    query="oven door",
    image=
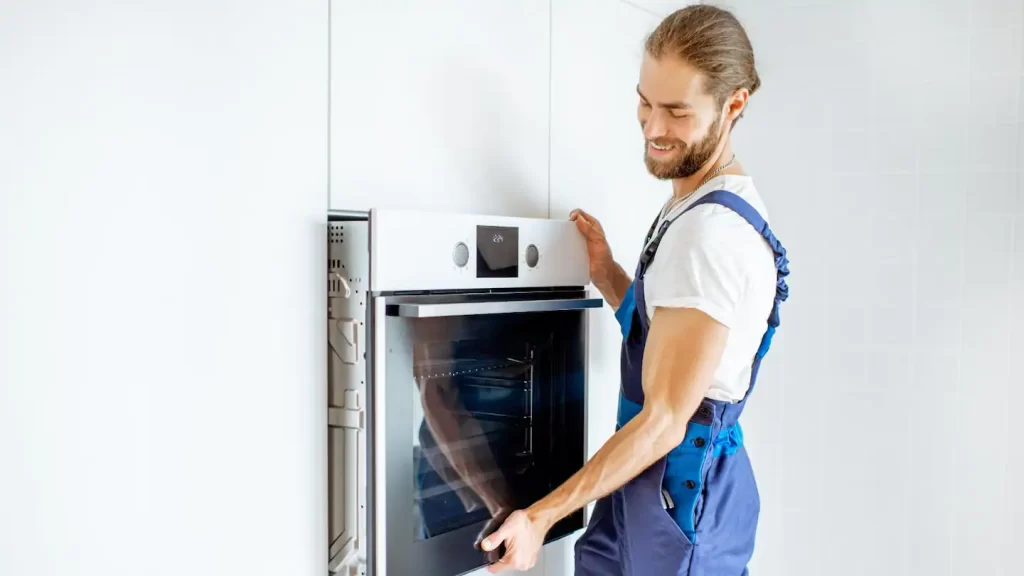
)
(477, 409)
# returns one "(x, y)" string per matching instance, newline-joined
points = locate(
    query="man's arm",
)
(683, 350)
(614, 285)
(605, 273)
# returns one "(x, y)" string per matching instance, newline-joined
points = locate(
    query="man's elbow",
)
(666, 427)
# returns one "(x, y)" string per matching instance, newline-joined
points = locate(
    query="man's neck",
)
(682, 187)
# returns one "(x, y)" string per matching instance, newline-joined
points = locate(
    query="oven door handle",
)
(413, 310)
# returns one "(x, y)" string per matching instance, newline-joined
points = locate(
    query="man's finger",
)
(584, 225)
(492, 541)
(577, 213)
(499, 566)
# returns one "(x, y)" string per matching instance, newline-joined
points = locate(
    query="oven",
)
(457, 383)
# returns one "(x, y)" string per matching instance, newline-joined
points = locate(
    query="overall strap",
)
(745, 210)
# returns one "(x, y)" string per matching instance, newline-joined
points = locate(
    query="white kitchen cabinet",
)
(440, 105)
(163, 352)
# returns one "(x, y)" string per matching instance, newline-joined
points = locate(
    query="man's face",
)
(682, 124)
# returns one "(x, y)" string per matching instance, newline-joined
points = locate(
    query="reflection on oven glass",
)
(474, 453)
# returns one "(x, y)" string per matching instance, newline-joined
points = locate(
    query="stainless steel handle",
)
(411, 310)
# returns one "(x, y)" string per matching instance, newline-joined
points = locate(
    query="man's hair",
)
(714, 42)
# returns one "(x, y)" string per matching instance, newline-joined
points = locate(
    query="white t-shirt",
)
(713, 260)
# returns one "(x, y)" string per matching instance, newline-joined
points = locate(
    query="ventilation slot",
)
(334, 285)
(337, 234)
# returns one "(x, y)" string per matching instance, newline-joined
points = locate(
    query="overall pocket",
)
(647, 524)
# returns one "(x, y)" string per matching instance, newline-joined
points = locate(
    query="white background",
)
(163, 182)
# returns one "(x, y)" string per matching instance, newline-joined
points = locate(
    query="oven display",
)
(497, 252)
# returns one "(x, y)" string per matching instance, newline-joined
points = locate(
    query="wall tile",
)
(942, 136)
(855, 151)
(933, 437)
(943, 193)
(994, 191)
(939, 266)
(996, 40)
(1019, 208)
(983, 417)
(992, 148)
(947, 38)
(994, 95)
(1015, 468)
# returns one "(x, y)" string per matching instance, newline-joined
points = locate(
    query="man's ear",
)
(736, 104)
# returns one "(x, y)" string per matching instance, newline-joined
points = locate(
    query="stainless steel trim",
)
(587, 510)
(379, 441)
(349, 214)
(345, 418)
(341, 553)
(412, 310)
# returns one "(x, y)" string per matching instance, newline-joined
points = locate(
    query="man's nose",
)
(655, 126)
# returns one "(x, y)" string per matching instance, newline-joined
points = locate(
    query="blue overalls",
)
(694, 511)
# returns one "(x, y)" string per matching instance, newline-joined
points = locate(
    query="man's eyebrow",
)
(669, 105)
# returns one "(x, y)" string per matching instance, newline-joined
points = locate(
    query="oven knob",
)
(532, 255)
(460, 255)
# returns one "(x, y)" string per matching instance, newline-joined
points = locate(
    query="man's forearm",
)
(614, 287)
(683, 348)
(630, 451)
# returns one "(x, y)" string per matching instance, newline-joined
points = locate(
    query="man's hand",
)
(600, 253)
(523, 536)
(607, 276)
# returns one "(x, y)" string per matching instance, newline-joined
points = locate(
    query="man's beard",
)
(690, 159)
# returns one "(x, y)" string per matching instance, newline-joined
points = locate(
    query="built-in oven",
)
(458, 380)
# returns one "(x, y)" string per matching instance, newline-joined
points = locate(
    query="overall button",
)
(698, 442)
(691, 484)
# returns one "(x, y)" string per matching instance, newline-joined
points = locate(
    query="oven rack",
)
(467, 367)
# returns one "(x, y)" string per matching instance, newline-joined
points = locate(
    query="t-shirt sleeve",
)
(701, 264)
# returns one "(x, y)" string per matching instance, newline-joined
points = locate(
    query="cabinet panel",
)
(440, 105)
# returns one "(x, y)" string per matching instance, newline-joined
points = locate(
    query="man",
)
(676, 491)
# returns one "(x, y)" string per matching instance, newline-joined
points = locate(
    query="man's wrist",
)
(543, 515)
(613, 284)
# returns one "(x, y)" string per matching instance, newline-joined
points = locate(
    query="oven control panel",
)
(444, 251)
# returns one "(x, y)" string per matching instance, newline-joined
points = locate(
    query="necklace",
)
(675, 202)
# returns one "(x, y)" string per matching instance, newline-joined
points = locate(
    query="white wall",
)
(163, 182)
(440, 105)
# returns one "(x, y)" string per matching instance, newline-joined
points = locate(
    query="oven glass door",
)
(483, 413)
